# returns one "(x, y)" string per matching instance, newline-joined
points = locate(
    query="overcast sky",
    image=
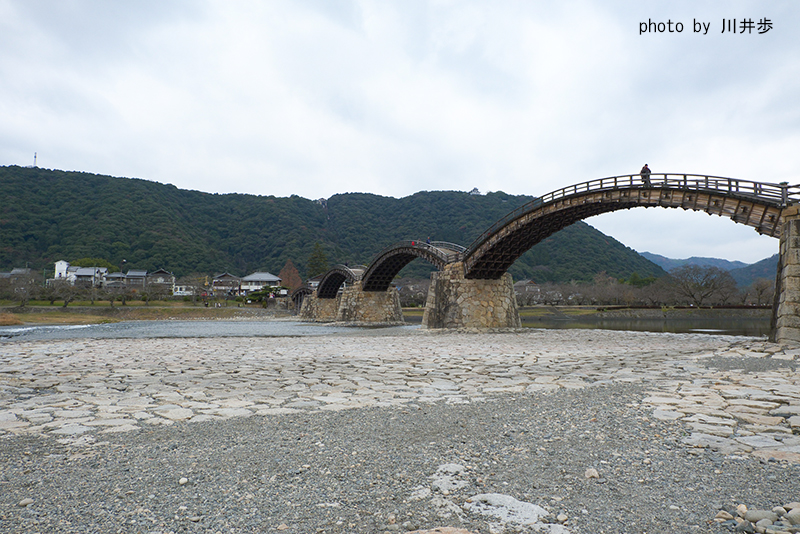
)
(388, 97)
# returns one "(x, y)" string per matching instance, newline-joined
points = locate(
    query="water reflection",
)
(750, 326)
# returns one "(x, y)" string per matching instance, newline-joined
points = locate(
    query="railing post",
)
(784, 193)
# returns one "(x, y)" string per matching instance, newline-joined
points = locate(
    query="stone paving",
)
(735, 395)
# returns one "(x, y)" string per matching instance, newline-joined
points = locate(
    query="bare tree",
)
(604, 290)
(552, 294)
(67, 292)
(763, 290)
(24, 285)
(702, 284)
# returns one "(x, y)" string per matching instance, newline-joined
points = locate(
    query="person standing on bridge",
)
(645, 174)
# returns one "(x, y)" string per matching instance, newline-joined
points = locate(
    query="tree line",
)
(50, 215)
(689, 285)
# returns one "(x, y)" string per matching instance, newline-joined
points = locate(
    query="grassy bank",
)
(77, 314)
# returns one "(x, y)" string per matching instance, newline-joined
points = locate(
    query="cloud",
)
(319, 97)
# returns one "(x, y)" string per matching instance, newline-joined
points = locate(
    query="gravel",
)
(591, 457)
(748, 365)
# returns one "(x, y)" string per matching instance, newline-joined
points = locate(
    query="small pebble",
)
(25, 502)
(183, 481)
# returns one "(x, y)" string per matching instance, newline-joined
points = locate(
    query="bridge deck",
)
(755, 204)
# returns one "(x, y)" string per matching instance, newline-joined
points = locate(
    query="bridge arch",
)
(391, 260)
(299, 295)
(330, 284)
(755, 204)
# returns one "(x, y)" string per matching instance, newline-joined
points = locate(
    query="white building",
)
(258, 281)
(88, 276)
(62, 270)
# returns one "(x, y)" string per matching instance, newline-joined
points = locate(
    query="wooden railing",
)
(778, 195)
(436, 248)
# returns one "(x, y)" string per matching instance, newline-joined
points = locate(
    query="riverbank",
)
(81, 315)
(374, 433)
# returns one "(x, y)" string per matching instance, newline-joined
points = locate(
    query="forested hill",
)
(48, 215)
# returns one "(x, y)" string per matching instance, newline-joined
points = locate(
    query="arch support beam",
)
(786, 319)
(458, 302)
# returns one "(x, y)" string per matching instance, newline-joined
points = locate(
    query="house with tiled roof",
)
(258, 281)
(136, 278)
(226, 284)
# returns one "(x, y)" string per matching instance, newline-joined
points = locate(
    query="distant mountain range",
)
(744, 274)
(766, 268)
(668, 263)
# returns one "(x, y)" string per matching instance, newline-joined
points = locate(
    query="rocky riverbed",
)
(523, 431)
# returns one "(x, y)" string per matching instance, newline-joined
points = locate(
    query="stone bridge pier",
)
(356, 306)
(786, 308)
(371, 307)
(319, 310)
(458, 302)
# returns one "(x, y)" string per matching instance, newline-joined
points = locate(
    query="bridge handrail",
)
(347, 268)
(448, 246)
(421, 243)
(434, 246)
(305, 288)
(781, 193)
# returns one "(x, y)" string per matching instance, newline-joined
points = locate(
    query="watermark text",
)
(730, 26)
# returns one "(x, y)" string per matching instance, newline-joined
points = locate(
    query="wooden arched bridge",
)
(760, 205)
(755, 204)
(391, 260)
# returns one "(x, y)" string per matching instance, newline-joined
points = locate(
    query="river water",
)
(752, 327)
(175, 329)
